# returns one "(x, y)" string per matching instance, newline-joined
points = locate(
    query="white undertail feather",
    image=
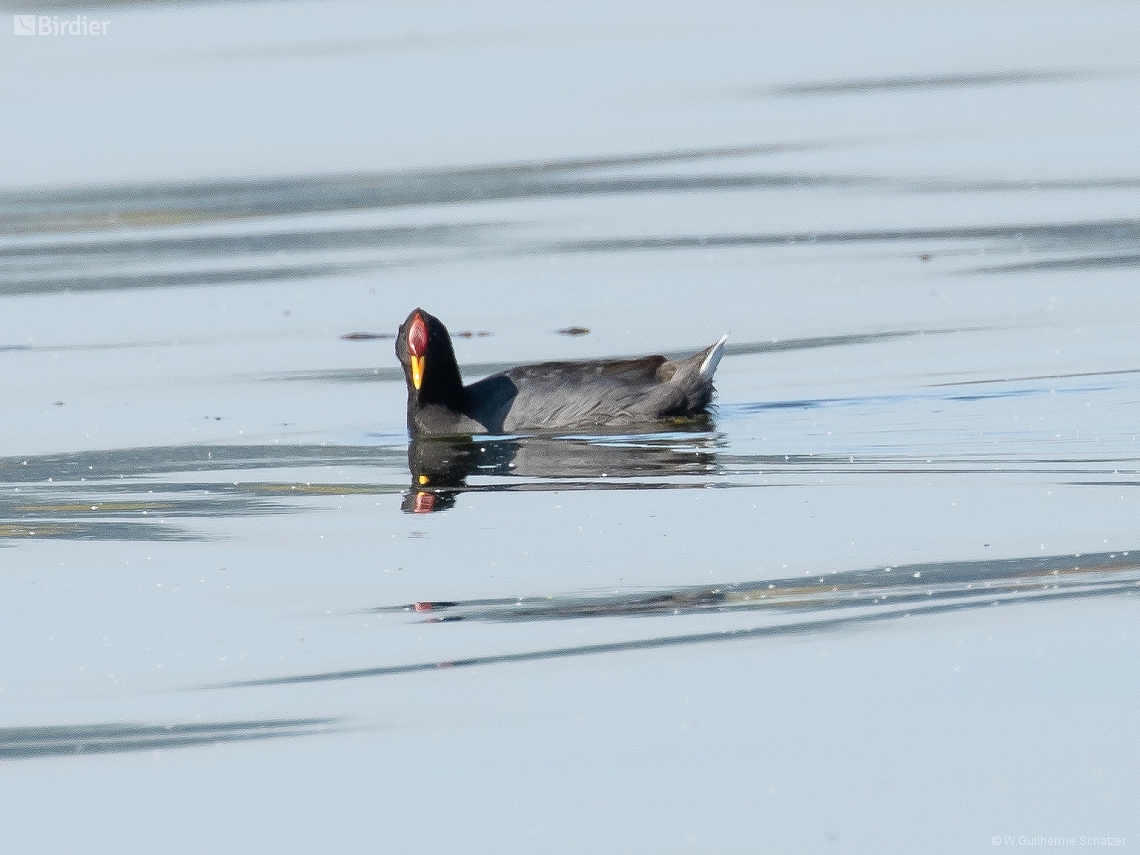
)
(708, 367)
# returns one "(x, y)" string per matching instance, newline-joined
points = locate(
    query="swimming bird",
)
(548, 397)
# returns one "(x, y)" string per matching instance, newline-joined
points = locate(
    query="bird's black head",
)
(424, 349)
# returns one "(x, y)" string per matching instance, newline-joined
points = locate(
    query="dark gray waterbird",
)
(548, 397)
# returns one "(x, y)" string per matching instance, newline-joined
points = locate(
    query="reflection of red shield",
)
(425, 503)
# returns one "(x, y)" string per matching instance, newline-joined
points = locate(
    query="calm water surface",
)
(883, 599)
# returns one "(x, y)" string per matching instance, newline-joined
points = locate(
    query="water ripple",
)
(830, 603)
(21, 743)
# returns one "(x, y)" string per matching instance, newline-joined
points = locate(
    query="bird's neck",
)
(442, 383)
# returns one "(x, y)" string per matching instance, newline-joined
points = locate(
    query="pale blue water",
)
(885, 600)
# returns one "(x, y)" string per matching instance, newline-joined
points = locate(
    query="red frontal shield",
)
(418, 337)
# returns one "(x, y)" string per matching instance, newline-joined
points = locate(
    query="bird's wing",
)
(556, 395)
(642, 370)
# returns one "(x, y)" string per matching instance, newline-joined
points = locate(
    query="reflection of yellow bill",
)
(417, 371)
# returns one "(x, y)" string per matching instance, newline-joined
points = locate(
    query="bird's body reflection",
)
(441, 467)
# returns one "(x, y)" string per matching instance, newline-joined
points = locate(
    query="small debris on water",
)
(471, 334)
(366, 336)
(574, 331)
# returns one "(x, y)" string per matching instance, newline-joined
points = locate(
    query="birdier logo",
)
(51, 25)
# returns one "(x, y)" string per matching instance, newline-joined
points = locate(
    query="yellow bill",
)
(417, 371)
